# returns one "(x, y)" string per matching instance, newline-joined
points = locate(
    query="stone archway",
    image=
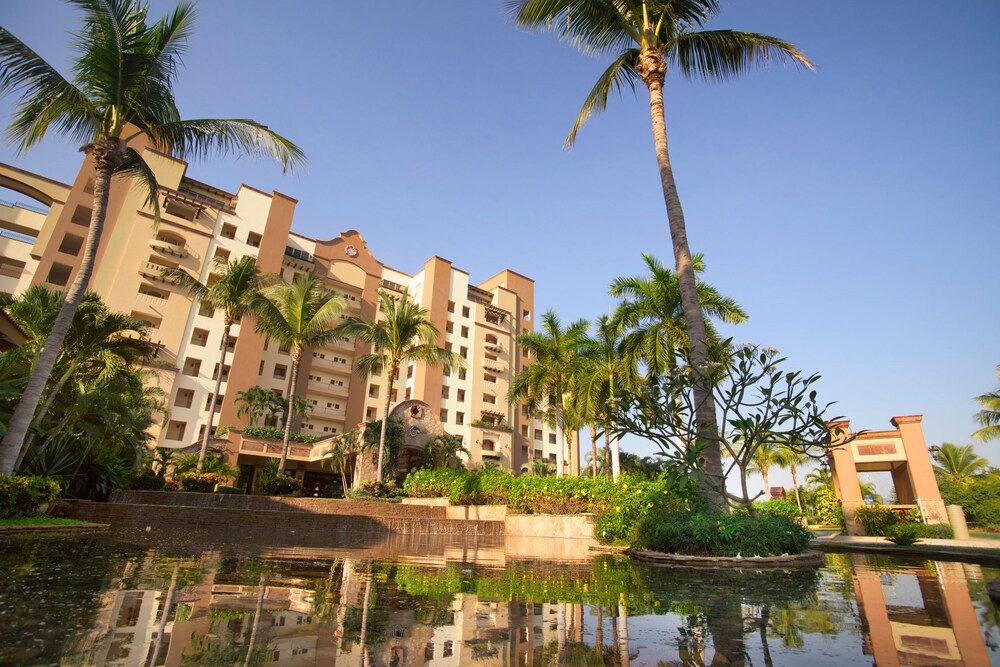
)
(420, 426)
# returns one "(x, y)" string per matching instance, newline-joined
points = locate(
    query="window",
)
(253, 239)
(175, 430)
(444, 392)
(489, 398)
(538, 434)
(465, 332)
(460, 395)
(218, 402)
(464, 351)
(71, 244)
(461, 373)
(229, 232)
(490, 378)
(184, 398)
(82, 216)
(460, 418)
(370, 414)
(524, 451)
(199, 337)
(409, 372)
(552, 438)
(280, 371)
(448, 650)
(222, 252)
(207, 311)
(526, 315)
(444, 415)
(260, 371)
(449, 327)
(192, 367)
(373, 391)
(491, 339)
(59, 275)
(490, 356)
(465, 311)
(451, 306)
(284, 349)
(489, 446)
(225, 373)
(524, 430)
(407, 395)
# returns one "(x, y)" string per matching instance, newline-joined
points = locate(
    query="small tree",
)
(760, 406)
(343, 451)
(443, 452)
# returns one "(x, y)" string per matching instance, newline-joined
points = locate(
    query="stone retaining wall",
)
(230, 501)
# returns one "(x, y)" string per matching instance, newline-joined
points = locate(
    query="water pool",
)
(98, 601)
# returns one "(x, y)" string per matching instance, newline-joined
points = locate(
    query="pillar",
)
(919, 469)
(845, 477)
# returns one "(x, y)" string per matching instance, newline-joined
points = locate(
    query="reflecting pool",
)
(97, 601)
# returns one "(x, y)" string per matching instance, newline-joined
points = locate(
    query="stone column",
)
(919, 469)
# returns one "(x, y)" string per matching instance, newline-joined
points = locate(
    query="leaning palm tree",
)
(120, 99)
(546, 382)
(989, 416)
(300, 315)
(406, 335)
(232, 289)
(645, 37)
(651, 313)
(958, 462)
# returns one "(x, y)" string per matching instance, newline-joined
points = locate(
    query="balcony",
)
(169, 247)
(480, 295)
(327, 414)
(151, 300)
(394, 287)
(329, 364)
(321, 387)
(495, 316)
(494, 367)
(493, 347)
(296, 254)
(153, 271)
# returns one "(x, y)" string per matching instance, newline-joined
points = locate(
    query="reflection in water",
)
(97, 602)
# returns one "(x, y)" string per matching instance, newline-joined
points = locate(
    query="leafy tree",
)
(958, 462)
(258, 404)
(120, 100)
(232, 290)
(444, 451)
(343, 451)
(820, 477)
(390, 440)
(989, 415)
(768, 455)
(298, 316)
(645, 38)
(407, 335)
(557, 360)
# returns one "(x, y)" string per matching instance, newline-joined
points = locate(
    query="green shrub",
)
(776, 507)
(372, 489)
(147, 480)
(875, 519)
(21, 496)
(714, 534)
(903, 534)
(988, 512)
(828, 507)
(272, 433)
(280, 485)
(203, 482)
(939, 531)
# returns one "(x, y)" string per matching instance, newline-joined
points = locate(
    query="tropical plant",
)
(342, 453)
(232, 289)
(794, 459)
(769, 455)
(820, 477)
(407, 335)
(214, 462)
(557, 359)
(604, 367)
(120, 102)
(988, 416)
(443, 451)
(958, 462)
(301, 315)
(258, 403)
(645, 37)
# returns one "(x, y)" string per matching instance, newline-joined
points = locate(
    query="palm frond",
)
(193, 139)
(720, 55)
(621, 71)
(133, 165)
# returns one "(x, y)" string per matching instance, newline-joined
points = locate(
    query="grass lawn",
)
(40, 521)
(987, 536)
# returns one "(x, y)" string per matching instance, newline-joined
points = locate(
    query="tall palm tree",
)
(546, 382)
(645, 37)
(604, 368)
(959, 462)
(120, 97)
(258, 403)
(301, 315)
(989, 416)
(794, 459)
(651, 313)
(768, 455)
(406, 335)
(820, 477)
(232, 289)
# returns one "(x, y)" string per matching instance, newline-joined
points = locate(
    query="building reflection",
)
(919, 615)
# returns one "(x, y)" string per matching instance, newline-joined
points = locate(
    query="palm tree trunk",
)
(296, 360)
(623, 635)
(593, 451)
(106, 159)
(385, 420)
(227, 325)
(795, 483)
(767, 488)
(607, 454)
(616, 465)
(258, 610)
(362, 647)
(652, 68)
(560, 436)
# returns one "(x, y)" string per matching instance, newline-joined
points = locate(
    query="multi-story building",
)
(478, 321)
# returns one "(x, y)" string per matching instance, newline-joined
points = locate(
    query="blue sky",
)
(849, 210)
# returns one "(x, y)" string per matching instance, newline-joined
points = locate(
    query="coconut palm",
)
(989, 416)
(407, 335)
(120, 99)
(645, 38)
(546, 382)
(604, 368)
(768, 455)
(820, 477)
(794, 458)
(651, 314)
(258, 403)
(301, 315)
(343, 450)
(232, 289)
(958, 462)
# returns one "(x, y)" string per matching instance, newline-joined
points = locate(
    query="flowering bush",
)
(203, 482)
(372, 489)
(21, 496)
(280, 485)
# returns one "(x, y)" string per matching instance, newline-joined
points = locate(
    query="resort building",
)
(478, 320)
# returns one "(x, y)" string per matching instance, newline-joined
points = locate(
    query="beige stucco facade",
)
(479, 321)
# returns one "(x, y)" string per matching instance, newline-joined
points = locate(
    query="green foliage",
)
(147, 480)
(714, 534)
(978, 496)
(280, 485)
(272, 433)
(776, 507)
(204, 482)
(903, 534)
(21, 496)
(828, 507)
(442, 452)
(394, 441)
(370, 488)
(492, 425)
(939, 531)
(231, 490)
(875, 518)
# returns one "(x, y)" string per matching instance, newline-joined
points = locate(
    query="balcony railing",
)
(168, 247)
(17, 236)
(153, 270)
(494, 366)
(151, 300)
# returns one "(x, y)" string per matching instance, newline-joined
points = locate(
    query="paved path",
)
(974, 543)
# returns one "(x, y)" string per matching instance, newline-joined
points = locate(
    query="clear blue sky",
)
(851, 211)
